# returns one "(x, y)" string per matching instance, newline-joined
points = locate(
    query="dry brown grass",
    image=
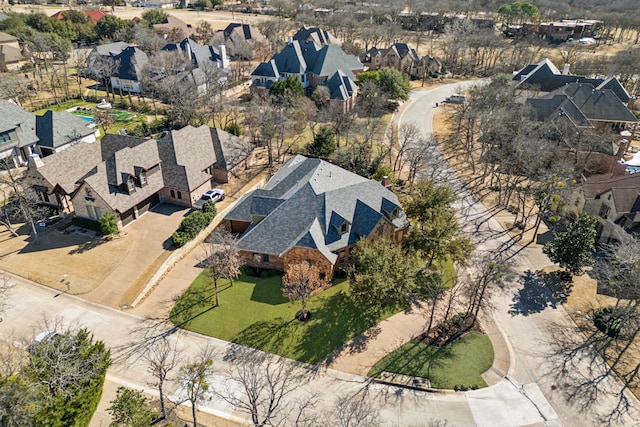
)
(583, 298)
(81, 260)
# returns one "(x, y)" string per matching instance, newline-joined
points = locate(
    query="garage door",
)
(148, 203)
(127, 217)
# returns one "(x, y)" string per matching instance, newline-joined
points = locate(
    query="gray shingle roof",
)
(267, 69)
(111, 174)
(7, 38)
(67, 168)
(201, 55)
(131, 62)
(597, 104)
(558, 106)
(57, 128)
(111, 48)
(188, 152)
(547, 78)
(13, 117)
(300, 57)
(340, 86)
(319, 36)
(305, 203)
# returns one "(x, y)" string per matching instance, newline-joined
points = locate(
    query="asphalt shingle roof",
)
(130, 63)
(306, 202)
(57, 128)
(14, 117)
(200, 55)
(597, 104)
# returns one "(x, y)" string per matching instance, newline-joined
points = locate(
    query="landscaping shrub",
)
(193, 223)
(233, 128)
(608, 321)
(109, 223)
(209, 207)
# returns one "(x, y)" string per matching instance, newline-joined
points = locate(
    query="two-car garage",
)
(131, 214)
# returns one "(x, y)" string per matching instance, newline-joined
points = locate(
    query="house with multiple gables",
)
(236, 36)
(129, 175)
(402, 58)
(316, 211)
(131, 62)
(317, 35)
(614, 199)
(23, 133)
(582, 103)
(314, 66)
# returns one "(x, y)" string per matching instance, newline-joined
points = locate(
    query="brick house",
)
(313, 210)
(194, 159)
(314, 66)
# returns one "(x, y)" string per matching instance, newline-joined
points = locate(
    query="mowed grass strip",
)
(253, 312)
(459, 363)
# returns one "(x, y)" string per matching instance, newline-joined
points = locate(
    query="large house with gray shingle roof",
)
(314, 66)
(129, 175)
(313, 210)
(23, 133)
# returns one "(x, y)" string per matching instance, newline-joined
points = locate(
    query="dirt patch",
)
(59, 258)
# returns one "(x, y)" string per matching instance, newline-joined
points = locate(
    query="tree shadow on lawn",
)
(414, 359)
(192, 298)
(539, 291)
(334, 321)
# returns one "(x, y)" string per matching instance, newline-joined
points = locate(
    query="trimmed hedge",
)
(193, 224)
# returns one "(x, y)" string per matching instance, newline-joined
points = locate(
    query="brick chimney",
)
(386, 182)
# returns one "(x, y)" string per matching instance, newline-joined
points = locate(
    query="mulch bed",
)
(450, 330)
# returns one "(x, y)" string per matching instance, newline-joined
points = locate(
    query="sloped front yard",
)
(253, 312)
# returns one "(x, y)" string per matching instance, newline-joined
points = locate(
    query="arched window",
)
(179, 195)
(173, 194)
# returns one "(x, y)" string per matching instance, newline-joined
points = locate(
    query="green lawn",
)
(253, 312)
(459, 363)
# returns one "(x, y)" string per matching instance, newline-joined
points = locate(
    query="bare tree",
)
(222, 259)
(162, 357)
(195, 377)
(489, 272)
(300, 281)
(354, 411)
(266, 381)
(22, 200)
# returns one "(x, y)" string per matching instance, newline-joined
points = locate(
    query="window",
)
(265, 258)
(604, 211)
(131, 186)
(90, 212)
(143, 178)
(88, 194)
(344, 228)
(173, 194)
(179, 195)
(4, 137)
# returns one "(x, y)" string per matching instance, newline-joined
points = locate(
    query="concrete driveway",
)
(149, 240)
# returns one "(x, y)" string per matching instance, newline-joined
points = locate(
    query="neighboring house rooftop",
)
(306, 203)
(94, 15)
(111, 48)
(199, 55)
(299, 57)
(596, 185)
(546, 77)
(172, 23)
(15, 119)
(131, 61)
(57, 128)
(319, 36)
(340, 86)
(598, 104)
(246, 31)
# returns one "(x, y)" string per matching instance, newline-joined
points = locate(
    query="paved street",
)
(527, 327)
